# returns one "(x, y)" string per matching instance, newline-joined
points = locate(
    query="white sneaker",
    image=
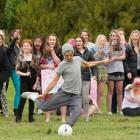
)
(30, 95)
(39, 112)
(121, 113)
(109, 113)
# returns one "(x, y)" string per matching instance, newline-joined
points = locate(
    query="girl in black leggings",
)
(27, 67)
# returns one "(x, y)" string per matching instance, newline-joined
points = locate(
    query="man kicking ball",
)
(69, 95)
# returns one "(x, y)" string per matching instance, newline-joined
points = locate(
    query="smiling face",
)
(135, 38)
(121, 35)
(85, 35)
(52, 41)
(114, 38)
(102, 41)
(26, 47)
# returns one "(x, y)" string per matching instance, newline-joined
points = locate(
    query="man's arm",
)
(94, 63)
(51, 85)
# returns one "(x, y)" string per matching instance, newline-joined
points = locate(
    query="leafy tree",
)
(2, 7)
(66, 18)
(10, 13)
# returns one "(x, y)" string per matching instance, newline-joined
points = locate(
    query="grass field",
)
(100, 127)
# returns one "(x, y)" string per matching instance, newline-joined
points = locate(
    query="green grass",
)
(100, 127)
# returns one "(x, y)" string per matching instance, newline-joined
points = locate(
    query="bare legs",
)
(119, 85)
(100, 91)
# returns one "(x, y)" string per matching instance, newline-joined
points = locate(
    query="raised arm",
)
(14, 38)
(55, 57)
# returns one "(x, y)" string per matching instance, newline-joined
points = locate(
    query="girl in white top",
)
(131, 101)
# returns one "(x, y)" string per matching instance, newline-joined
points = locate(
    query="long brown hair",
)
(117, 47)
(47, 54)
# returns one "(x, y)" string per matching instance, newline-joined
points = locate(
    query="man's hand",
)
(28, 73)
(106, 61)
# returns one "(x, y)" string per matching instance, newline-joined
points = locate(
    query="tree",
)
(66, 18)
(2, 7)
(10, 13)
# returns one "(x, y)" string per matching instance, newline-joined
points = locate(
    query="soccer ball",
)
(65, 130)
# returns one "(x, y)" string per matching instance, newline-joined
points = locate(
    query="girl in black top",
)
(132, 61)
(82, 51)
(27, 68)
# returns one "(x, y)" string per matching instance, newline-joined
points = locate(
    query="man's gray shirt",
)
(71, 73)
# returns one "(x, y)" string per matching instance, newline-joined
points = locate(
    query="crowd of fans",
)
(23, 60)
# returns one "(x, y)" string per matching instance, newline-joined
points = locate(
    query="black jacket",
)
(130, 63)
(5, 67)
(86, 72)
(13, 51)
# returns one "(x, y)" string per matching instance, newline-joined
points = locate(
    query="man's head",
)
(67, 51)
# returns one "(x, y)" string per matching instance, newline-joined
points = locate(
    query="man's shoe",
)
(30, 95)
(39, 112)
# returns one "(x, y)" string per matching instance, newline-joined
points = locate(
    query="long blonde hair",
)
(98, 39)
(130, 38)
(118, 46)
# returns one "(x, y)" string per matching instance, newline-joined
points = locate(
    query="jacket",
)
(5, 67)
(130, 63)
(13, 51)
(86, 72)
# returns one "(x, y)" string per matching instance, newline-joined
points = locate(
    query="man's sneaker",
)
(30, 95)
(39, 112)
